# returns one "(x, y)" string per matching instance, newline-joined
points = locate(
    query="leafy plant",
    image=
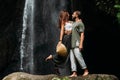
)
(111, 7)
(117, 6)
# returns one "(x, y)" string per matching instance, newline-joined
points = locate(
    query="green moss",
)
(63, 78)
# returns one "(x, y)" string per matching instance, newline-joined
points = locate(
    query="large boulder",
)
(27, 76)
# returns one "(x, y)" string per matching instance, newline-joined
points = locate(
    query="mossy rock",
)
(26, 76)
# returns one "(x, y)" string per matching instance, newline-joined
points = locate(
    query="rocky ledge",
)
(27, 76)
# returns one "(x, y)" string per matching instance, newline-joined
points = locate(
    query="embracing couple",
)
(72, 36)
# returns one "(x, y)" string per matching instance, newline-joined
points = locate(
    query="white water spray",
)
(27, 39)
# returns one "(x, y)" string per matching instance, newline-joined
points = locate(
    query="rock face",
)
(27, 76)
(10, 22)
(11, 16)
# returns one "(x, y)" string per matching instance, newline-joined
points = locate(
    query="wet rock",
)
(27, 76)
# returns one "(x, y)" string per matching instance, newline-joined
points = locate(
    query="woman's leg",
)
(49, 57)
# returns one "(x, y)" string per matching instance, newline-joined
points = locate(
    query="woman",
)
(65, 26)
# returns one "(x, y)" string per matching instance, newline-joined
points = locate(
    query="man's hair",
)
(78, 13)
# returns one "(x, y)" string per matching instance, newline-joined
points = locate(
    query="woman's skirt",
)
(63, 63)
(67, 42)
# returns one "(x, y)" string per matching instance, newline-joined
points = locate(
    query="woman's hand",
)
(59, 42)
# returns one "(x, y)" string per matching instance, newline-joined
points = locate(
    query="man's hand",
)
(80, 47)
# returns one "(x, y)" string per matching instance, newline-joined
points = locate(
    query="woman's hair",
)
(63, 17)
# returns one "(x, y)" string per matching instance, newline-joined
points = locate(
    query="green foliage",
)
(111, 7)
(117, 6)
(106, 6)
(57, 78)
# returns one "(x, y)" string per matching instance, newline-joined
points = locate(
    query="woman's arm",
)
(61, 32)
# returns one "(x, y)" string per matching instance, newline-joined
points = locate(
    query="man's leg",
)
(73, 64)
(80, 60)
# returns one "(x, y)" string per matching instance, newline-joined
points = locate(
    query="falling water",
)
(27, 39)
(39, 30)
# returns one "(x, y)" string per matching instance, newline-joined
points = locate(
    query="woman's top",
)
(68, 26)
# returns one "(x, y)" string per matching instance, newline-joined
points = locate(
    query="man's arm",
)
(81, 40)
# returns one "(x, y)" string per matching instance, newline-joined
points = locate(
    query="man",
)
(77, 45)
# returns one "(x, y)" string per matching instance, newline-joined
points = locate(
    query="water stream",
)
(27, 42)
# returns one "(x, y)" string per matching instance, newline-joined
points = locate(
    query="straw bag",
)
(61, 50)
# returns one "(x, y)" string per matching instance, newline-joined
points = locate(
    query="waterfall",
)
(27, 38)
(39, 34)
